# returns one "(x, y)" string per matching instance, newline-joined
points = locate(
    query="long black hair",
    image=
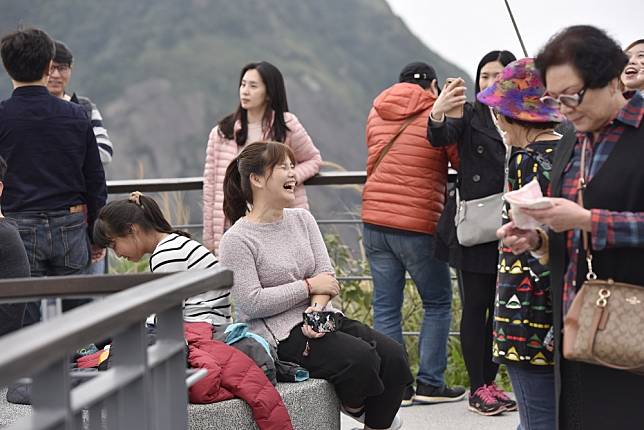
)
(257, 158)
(116, 218)
(277, 105)
(503, 57)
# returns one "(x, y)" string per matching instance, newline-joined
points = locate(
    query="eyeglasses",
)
(62, 68)
(569, 100)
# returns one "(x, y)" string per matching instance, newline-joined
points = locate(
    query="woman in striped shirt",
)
(136, 226)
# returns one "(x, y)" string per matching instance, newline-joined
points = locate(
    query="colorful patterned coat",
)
(522, 306)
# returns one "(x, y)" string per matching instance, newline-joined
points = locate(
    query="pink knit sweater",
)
(221, 151)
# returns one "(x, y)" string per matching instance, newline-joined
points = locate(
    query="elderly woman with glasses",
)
(581, 67)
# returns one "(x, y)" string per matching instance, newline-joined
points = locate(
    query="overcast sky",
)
(462, 31)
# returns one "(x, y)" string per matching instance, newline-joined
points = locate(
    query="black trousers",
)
(599, 398)
(366, 367)
(476, 327)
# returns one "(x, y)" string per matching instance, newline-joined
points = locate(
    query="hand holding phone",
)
(322, 321)
(451, 100)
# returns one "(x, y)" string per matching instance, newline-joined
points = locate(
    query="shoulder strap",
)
(581, 187)
(388, 146)
(562, 156)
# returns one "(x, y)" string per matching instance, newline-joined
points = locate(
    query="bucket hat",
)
(516, 94)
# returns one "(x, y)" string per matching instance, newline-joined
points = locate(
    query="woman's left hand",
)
(306, 329)
(562, 216)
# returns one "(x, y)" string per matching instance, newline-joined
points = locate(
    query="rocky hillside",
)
(164, 71)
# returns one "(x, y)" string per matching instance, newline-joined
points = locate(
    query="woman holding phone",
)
(282, 270)
(482, 153)
(262, 114)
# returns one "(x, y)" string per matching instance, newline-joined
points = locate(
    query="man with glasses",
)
(59, 76)
(54, 184)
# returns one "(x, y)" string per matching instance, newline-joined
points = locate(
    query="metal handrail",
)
(29, 349)
(196, 183)
(26, 289)
(124, 395)
(122, 186)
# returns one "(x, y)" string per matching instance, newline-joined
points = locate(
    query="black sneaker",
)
(408, 396)
(484, 403)
(430, 394)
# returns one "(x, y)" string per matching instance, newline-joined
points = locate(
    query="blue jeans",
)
(98, 268)
(390, 255)
(534, 389)
(57, 244)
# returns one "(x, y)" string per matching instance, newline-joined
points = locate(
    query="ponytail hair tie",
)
(135, 197)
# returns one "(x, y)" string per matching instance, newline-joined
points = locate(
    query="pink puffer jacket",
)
(221, 151)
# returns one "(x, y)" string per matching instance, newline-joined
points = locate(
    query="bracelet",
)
(539, 243)
(542, 248)
(308, 286)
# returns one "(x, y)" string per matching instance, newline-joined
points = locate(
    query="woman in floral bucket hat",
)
(522, 306)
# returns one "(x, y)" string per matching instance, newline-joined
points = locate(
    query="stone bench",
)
(312, 405)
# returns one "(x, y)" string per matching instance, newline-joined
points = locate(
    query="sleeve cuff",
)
(599, 220)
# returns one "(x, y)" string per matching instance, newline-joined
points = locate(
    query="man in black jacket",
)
(55, 182)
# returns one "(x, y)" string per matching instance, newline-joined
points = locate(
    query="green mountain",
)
(164, 71)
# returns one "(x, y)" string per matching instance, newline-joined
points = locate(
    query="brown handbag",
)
(605, 323)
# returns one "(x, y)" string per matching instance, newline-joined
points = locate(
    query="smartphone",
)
(457, 112)
(322, 322)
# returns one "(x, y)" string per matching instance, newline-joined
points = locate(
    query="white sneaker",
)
(395, 425)
(359, 418)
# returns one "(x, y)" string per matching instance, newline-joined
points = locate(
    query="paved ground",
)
(447, 416)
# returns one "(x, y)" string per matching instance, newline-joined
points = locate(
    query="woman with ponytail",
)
(262, 114)
(136, 226)
(282, 270)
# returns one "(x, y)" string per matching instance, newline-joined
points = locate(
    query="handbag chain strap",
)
(591, 275)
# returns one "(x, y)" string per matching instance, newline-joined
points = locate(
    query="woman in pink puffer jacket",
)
(262, 114)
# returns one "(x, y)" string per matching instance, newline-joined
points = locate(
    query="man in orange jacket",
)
(402, 201)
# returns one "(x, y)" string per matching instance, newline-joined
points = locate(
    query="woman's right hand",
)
(452, 96)
(518, 240)
(324, 283)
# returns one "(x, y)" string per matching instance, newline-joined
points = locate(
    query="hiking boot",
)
(483, 402)
(408, 396)
(430, 394)
(501, 396)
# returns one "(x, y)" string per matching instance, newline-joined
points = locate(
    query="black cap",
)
(63, 55)
(417, 72)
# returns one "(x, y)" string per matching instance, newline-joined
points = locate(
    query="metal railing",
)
(139, 391)
(322, 178)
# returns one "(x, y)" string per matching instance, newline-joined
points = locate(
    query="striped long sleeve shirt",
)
(178, 253)
(105, 146)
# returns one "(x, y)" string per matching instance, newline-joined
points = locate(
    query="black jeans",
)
(366, 367)
(476, 328)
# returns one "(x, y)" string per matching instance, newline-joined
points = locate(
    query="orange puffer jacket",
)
(407, 189)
